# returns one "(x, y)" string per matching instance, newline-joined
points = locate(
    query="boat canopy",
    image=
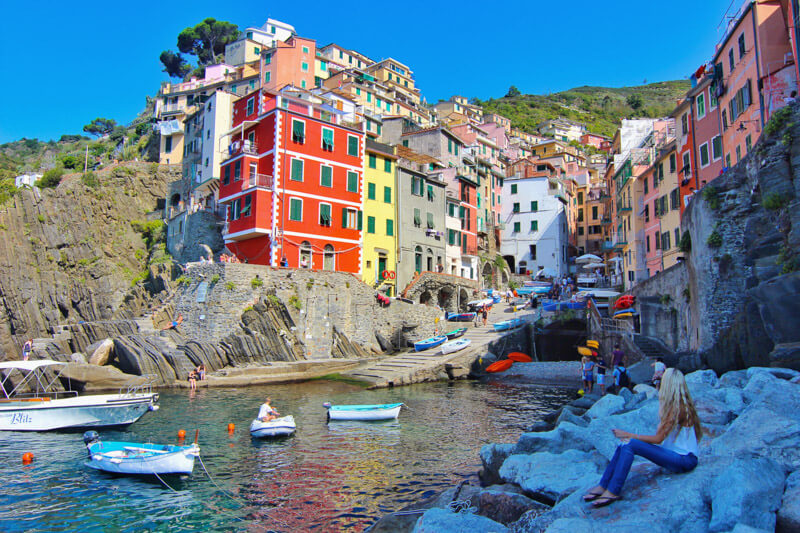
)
(35, 375)
(29, 365)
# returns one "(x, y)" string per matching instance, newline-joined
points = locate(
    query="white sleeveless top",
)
(682, 440)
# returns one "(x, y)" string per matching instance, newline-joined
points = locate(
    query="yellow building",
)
(669, 212)
(379, 259)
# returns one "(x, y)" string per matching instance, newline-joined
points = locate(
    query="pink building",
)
(707, 158)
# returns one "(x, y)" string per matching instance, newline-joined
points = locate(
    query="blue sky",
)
(67, 63)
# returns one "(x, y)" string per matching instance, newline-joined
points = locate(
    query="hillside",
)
(600, 108)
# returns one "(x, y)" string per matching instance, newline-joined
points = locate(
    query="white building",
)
(562, 129)
(248, 47)
(535, 234)
(26, 180)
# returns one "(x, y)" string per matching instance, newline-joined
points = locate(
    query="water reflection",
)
(325, 477)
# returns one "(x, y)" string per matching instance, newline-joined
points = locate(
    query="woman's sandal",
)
(605, 500)
(592, 495)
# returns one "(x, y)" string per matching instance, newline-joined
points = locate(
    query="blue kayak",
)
(508, 324)
(429, 343)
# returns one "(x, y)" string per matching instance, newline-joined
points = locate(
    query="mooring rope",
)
(165, 483)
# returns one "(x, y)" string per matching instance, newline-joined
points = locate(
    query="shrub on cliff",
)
(152, 231)
(714, 240)
(50, 179)
(90, 180)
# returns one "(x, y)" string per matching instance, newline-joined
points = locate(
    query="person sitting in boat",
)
(267, 413)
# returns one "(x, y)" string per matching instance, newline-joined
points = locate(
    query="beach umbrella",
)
(588, 258)
(592, 266)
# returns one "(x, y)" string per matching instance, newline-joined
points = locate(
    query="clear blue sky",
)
(67, 63)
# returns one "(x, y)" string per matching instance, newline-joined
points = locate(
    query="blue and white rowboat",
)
(508, 324)
(429, 343)
(139, 458)
(386, 411)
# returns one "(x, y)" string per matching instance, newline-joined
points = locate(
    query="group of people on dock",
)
(596, 362)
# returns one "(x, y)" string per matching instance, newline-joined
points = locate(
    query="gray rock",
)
(734, 378)
(761, 430)
(102, 352)
(78, 357)
(782, 373)
(552, 476)
(540, 425)
(704, 377)
(743, 528)
(625, 393)
(572, 525)
(607, 405)
(492, 457)
(439, 520)
(788, 519)
(712, 411)
(563, 437)
(584, 402)
(635, 401)
(748, 492)
(505, 506)
(88, 377)
(568, 415)
(641, 372)
(642, 421)
(648, 390)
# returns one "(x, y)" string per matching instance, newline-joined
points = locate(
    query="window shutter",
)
(352, 182)
(373, 161)
(370, 224)
(430, 220)
(389, 227)
(387, 163)
(297, 169)
(352, 145)
(298, 131)
(387, 195)
(327, 139)
(344, 217)
(360, 219)
(370, 191)
(534, 206)
(326, 176)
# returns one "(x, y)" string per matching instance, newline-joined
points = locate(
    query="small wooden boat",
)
(386, 411)
(139, 458)
(279, 427)
(497, 298)
(429, 343)
(454, 346)
(519, 357)
(456, 333)
(478, 304)
(499, 366)
(460, 317)
(508, 324)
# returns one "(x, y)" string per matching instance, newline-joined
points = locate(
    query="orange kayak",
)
(519, 357)
(500, 366)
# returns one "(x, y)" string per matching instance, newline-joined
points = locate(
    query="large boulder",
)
(762, 430)
(788, 519)
(563, 437)
(606, 406)
(749, 492)
(702, 377)
(506, 506)
(641, 421)
(102, 352)
(492, 457)
(782, 373)
(89, 377)
(734, 378)
(438, 520)
(552, 476)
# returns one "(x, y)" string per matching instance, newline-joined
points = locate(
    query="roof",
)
(433, 128)
(404, 152)
(29, 365)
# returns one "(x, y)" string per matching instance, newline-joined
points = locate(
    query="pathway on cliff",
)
(415, 367)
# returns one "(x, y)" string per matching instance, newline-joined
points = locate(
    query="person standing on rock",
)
(617, 357)
(27, 348)
(674, 446)
(587, 373)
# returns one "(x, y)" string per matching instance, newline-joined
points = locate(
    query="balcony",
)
(624, 208)
(241, 147)
(257, 181)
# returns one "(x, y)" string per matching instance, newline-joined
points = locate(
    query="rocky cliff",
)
(79, 252)
(743, 279)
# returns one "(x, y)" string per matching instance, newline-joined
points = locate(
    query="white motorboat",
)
(139, 458)
(34, 404)
(279, 427)
(454, 346)
(386, 411)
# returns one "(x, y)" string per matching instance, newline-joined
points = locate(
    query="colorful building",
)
(293, 185)
(380, 212)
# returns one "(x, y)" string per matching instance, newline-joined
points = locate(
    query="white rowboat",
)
(387, 411)
(279, 427)
(139, 458)
(454, 346)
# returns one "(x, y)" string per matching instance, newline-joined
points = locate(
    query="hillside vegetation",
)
(600, 108)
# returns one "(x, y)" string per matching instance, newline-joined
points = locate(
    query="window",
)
(416, 186)
(351, 218)
(728, 159)
(327, 139)
(236, 208)
(296, 170)
(532, 250)
(580, 230)
(646, 185)
(748, 142)
(517, 226)
(430, 221)
(647, 243)
(267, 77)
(580, 215)
(685, 123)
(594, 212)
(431, 193)
(370, 224)
(731, 63)
(370, 191)
(387, 195)
(168, 144)
(665, 238)
(716, 148)
(673, 199)
(226, 176)
(373, 161)
(677, 236)
(724, 119)
(742, 50)
(449, 146)
(389, 227)
(580, 197)
(687, 167)
(515, 208)
(251, 106)
(296, 209)
(514, 188)
(704, 160)
(352, 181)
(417, 218)
(237, 171)
(246, 205)
(253, 170)
(267, 59)
(325, 215)
(304, 66)
(298, 131)
(325, 176)
(535, 225)
(534, 206)
(305, 49)
(738, 153)
(352, 145)
(673, 163)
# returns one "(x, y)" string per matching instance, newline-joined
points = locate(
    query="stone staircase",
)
(650, 347)
(171, 351)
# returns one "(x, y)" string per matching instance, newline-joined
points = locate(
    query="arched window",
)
(418, 259)
(306, 257)
(329, 259)
(429, 260)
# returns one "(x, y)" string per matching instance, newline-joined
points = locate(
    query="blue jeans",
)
(617, 470)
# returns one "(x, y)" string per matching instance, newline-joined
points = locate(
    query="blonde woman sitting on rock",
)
(674, 446)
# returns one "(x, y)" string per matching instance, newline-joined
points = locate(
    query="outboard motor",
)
(90, 437)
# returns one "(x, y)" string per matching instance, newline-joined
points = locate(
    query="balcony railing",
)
(257, 181)
(623, 208)
(242, 147)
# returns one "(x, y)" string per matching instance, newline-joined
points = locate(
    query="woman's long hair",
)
(676, 407)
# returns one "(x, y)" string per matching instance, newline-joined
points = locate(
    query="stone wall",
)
(663, 302)
(449, 292)
(200, 229)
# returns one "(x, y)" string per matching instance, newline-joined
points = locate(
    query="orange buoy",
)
(519, 357)
(181, 434)
(231, 427)
(500, 366)
(27, 458)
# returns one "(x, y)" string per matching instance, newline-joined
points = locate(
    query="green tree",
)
(512, 92)
(174, 64)
(635, 101)
(207, 40)
(51, 178)
(71, 161)
(100, 126)
(117, 135)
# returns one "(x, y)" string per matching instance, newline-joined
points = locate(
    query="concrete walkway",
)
(431, 365)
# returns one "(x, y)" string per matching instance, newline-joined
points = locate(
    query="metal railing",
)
(262, 181)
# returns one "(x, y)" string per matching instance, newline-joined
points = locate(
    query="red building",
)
(468, 212)
(293, 185)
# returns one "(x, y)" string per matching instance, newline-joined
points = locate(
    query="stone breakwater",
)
(747, 479)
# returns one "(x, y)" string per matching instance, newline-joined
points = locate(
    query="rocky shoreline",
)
(747, 480)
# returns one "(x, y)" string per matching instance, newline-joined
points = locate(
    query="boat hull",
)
(102, 410)
(429, 343)
(456, 333)
(508, 324)
(280, 427)
(462, 317)
(368, 413)
(455, 346)
(121, 458)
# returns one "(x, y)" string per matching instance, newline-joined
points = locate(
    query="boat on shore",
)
(387, 411)
(278, 427)
(455, 346)
(508, 324)
(460, 317)
(119, 457)
(429, 343)
(42, 407)
(456, 333)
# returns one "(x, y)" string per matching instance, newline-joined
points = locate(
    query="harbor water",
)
(327, 477)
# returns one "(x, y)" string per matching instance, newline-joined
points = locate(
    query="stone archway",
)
(463, 298)
(425, 297)
(487, 273)
(445, 299)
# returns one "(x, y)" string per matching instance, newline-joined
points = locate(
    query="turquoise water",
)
(327, 477)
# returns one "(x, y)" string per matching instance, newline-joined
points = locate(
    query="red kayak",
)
(499, 366)
(623, 302)
(519, 357)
